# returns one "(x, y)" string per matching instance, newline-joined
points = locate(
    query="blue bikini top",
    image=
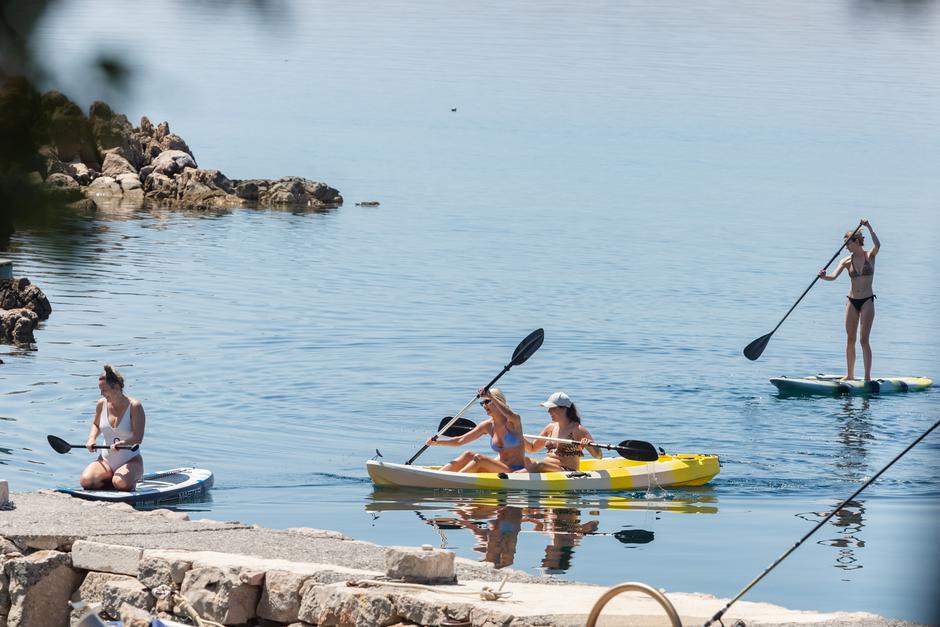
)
(511, 440)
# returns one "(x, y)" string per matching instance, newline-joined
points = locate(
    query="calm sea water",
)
(653, 183)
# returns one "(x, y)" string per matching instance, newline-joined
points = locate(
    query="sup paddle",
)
(635, 450)
(753, 350)
(61, 446)
(524, 350)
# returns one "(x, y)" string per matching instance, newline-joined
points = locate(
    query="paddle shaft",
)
(459, 414)
(609, 447)
(828, 263)
(130, 447)
(720, 613)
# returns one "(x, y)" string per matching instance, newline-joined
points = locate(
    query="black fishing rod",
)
(721, 612)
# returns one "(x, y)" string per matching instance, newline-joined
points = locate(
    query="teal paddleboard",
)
(834, 384)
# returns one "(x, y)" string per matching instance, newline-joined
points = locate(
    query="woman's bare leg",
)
(543, 466)
(851, 331)
(866, 319)
(96, 475)
(126, 477)
(455, 465)
(482, 463)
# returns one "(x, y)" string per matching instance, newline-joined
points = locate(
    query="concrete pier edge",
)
(54, 547)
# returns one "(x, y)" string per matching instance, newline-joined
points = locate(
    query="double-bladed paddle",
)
(61, 446)
(635, 450)
(753, 350)
(524, 350)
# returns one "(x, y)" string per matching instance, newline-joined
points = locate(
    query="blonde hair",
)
(854, 234)
(112, 376)
(498, 395)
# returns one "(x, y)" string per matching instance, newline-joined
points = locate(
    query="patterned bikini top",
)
(565, 450)
(868, 268)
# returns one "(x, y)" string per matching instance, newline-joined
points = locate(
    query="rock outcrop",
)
(103, 155)
(22, 307)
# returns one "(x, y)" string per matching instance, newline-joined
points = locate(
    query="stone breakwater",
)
(22, 307)
(135, 564)
(102, 155)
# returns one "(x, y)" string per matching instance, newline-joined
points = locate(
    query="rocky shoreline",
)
(102, 154)
(54, 548)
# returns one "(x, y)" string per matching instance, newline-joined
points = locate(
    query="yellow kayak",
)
(593, 474)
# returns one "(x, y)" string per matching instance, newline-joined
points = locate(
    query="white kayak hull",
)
(606, 474)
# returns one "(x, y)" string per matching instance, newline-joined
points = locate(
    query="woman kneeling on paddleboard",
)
(505, 430)
(565, 424)
(120, 419)
(860, 308)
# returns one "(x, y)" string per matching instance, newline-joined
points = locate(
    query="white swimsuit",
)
(122, 431)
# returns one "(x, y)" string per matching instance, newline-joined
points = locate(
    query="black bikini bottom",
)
(858, 303)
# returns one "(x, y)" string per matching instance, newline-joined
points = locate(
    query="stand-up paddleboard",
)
(830, 384)
(167, 486)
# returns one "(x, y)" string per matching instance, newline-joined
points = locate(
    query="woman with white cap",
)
(565, 424)
(504, 426)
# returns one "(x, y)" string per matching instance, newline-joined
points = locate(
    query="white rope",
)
(182, 604)
(485, 594)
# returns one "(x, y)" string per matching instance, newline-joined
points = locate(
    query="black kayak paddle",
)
(61, 446)
(753, 350)
(524, 350)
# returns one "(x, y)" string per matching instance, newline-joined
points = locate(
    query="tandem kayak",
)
(167, 486)
(830, 384)
(594, 474)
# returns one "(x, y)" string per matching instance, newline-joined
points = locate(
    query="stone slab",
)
(106, 558)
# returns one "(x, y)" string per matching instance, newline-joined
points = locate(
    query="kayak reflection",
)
(496, 522)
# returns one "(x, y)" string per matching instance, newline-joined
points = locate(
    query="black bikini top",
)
(868, 268)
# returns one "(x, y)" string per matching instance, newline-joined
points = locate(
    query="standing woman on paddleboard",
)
(504, 427)
(566, 424)
(860, 308)
(120, 419)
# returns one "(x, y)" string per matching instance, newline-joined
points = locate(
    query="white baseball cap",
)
(558, 399)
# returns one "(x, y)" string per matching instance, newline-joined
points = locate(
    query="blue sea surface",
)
(654, 184)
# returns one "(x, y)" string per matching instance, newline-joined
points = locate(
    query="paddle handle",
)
(609, 447)
(833, 258)
(459, 414)
(130, 447)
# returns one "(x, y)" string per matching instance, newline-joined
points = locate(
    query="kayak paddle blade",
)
(753, 350)
(459, 428)
(58, 444)
(637, 450)
(634, 536)
(527, 347)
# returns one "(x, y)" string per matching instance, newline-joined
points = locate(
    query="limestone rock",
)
(298, 190)
(113, 130)
(205, 187)
(67, 128)
(172, 162)
(62, 184)
(115, 165)
(104, 186)
(106, 558)
(16, 325)
(280, 596)
(220, 595)
(40, 585)
(82, 173)
(19, 292)
(130, 592)
(420, 565)
(160, 187)
(339, 605)
(92, 589)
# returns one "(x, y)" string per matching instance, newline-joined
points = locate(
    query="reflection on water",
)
(855, 431)
(495, 521)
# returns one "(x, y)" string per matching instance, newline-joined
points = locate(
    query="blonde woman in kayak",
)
(860, 308)
(566, 424)
(120, 419)
(504, 427)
